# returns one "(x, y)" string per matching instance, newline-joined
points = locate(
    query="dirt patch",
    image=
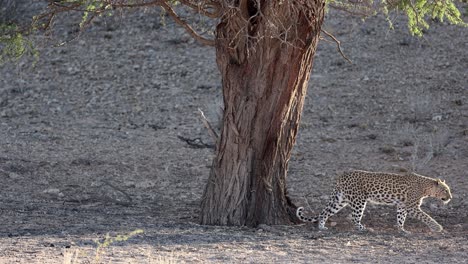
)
(95, 141)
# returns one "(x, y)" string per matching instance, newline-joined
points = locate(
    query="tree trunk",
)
(265, 51)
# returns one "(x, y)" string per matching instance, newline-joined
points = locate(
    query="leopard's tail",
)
(300, 215)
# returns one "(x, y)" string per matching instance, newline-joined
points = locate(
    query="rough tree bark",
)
(265, 51)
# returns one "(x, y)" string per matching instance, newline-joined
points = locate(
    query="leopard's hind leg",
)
(336, 203)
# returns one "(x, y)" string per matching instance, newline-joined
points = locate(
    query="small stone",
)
(263, 227)
(437, 118)
(52, 191)
(387, 149)
(13, 176)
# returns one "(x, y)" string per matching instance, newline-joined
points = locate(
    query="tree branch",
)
(50, 15)
(203, 7)
(187, 27)
(151, 3)
(208, 126)
(338, 44)
(356, 10)
(59, 7)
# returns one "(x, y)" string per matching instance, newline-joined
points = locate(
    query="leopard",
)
(407, 191)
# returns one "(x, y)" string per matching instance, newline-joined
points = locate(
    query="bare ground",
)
(102, 138)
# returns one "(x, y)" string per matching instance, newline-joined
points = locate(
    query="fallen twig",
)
(195, 142)
(129, 198)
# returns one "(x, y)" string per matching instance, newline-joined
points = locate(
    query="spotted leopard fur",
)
(407, 192)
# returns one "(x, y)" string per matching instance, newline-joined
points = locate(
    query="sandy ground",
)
(94, 146)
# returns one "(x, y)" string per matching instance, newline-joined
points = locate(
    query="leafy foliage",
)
(13, 44)
(419, 11)
(111, 240)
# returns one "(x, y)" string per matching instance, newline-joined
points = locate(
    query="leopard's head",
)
(442, 191)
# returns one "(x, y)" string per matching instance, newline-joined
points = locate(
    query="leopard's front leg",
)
(401, 217)
(358, 207)
(426, 219)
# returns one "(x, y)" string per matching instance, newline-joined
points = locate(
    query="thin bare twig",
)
(208, 126)
(338, 45)
(188, 28)
(129, 198)
(151, 3)
(50, 15)
(195, 142)
(203, 7)
(59, 8)
(358, 11)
